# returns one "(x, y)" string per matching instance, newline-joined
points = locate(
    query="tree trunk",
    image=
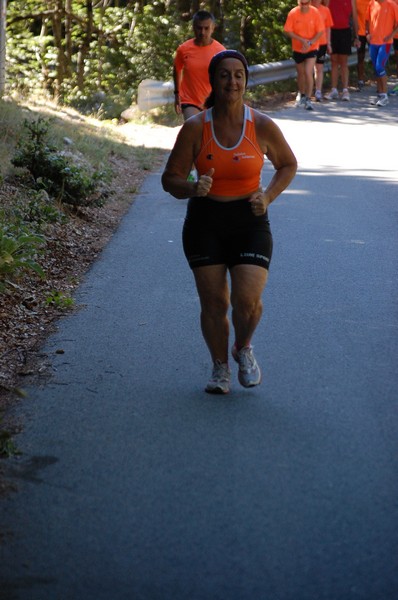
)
(40, 53)
(218, 10)
(81, 57)
(136, 12)
(68, 36)
(58, 42)
(3, 12)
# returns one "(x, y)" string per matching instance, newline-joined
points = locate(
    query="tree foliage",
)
(94, 54)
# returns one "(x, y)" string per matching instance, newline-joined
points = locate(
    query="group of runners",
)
(317, 27)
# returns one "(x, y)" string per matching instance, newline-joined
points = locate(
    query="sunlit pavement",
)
(319, 144)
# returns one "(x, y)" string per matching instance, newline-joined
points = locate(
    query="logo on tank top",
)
(241, 156)
(209, 157)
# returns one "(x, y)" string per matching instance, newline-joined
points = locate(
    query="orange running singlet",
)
(237, 170)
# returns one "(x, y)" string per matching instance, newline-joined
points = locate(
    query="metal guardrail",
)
(152, 93)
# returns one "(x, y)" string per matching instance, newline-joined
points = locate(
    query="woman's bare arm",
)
(179, 164)
(274, 145)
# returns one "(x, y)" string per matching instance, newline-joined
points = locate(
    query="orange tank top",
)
(237, 170)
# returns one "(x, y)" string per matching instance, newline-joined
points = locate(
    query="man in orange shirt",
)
(381, 23)
(324, 46)
(304, 25)
(191, 63)
(362, 6)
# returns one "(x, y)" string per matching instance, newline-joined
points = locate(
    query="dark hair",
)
(203, 15)
(217, 58)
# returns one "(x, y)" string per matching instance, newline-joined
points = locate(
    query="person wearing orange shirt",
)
(381, 24)
(324, 47)
(362, 6)
(304, 25)
(191, 61)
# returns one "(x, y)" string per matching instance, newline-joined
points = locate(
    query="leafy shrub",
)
(35, 209)
(64, 176)
(18, 252)
(40, 210)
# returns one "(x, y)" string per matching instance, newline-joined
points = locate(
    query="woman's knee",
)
(214, 305)
(247, 304)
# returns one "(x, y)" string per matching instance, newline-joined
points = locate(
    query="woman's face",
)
(230, 79)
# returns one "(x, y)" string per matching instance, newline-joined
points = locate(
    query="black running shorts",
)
(340, 40)
(225, 233)
(300, 57)
(321, 54)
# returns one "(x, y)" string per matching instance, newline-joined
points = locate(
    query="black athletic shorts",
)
(321, 54)
(340, 40)
(225, 233)
(300, 57)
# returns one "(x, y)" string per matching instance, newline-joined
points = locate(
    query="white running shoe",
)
(249, 372)
(300, 99)
(318, 96)
(383, 101)
(332, 95)
(220, 379)
(308, 105)
(374, 101)
(345, 95)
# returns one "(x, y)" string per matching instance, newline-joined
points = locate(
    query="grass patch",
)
(96, 140)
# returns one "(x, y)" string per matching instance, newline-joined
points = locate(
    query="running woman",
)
(226, 235)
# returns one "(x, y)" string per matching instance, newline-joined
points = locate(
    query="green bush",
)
(36, 209)
(64, 176)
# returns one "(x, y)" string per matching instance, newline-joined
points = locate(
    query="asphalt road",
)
(136, 485)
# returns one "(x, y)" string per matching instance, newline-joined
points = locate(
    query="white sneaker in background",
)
(345, 95)
(383, 101)
(332, 95)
